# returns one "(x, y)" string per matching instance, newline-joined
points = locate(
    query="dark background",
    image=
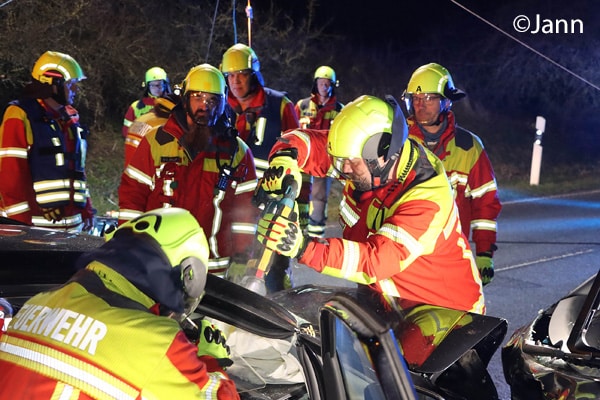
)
(374, 46)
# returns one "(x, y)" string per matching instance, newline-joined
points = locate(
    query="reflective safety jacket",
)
(315, 116)
(96, 338)
(261, 123)
(472, 177)
(42, 165)
(403, 238)
(216, 187)
(135, 110)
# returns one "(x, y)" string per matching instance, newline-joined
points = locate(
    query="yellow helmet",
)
(240, 57)
(155, 74)
(181, 239)
(326, 72)
(52, 65)
(368, 128)
(204, 78)
(433, 78)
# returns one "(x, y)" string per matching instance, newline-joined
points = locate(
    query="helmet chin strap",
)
(380, 173)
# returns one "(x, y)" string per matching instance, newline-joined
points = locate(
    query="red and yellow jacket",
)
(403, 238)
(135, 110)
(315, 116)
(73, 343)
(472, 177)
(163, 174)
(58, 165)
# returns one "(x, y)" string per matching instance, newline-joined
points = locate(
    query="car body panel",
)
(557, 355)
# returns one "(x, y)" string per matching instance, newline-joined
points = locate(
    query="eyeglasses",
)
(426, 98)
(211, 100)
(338, 165)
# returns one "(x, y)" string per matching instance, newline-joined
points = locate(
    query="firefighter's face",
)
(71, 89)
(156, 88)
(356, 170)
(240, 83)
(427, 108)
(204, 108)
(324, 87)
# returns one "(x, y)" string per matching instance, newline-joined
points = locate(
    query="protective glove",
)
(52, 214)
(282, 164)
(282, 234)
(212, 342)
(485, 265)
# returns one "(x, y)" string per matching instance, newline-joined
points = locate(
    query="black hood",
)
(141, 261)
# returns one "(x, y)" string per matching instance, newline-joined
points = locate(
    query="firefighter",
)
(400, 228)
(43, 149)
(113, 330)
(317, 112)
(197, 162)
(156, 84)
(262, 114)
(144, 123)
(428, 98)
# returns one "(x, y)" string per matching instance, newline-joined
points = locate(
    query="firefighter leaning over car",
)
(400, 228)
(261, 115)
(317, 112)
(156, 84)
(43, 150)
(197, 162)
(113, 330)
(428, 99)
(144, 123)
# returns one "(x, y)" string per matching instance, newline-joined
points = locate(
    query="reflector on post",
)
(536, 157)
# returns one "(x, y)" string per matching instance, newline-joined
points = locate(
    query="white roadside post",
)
(536, 157)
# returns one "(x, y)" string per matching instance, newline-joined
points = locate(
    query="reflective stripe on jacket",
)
(472, 177)
(76, 343)
(404, 238)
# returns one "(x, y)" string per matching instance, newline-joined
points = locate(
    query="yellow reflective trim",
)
(59, 366)
(484, 224)
(261, 165)
(216, 224)
(65, 222)
(139, 176)
(243, 228)
(483, 189)
(15, 152)
(348, 215)
(245, 187)
(132, 142)
(389, 287)
(217, 263)
(129, 214)
(52, 197)
(17, 208)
